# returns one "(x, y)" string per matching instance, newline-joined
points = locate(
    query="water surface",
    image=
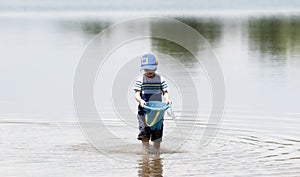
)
(259, 134)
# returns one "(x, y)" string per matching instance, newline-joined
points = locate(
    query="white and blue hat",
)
(149, 61)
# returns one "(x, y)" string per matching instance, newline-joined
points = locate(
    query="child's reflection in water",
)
(150, 165)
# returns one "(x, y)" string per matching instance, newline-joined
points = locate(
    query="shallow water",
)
(259, 134)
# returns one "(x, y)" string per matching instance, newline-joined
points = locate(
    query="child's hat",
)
(149, 61)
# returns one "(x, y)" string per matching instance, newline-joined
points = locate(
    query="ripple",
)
(245, 151)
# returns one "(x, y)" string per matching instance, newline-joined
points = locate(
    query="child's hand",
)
(142, 103)
(168, 101)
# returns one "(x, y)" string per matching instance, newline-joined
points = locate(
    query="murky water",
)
(258, 136)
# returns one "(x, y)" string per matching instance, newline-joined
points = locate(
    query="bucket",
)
(155, 111)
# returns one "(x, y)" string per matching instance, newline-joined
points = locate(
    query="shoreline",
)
(127, 14)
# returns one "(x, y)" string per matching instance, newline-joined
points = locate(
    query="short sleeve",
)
(164, 84)
(138, 84)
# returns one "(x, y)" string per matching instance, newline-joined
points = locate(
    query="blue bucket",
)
(155, 111)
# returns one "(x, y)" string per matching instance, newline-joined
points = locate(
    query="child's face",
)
(149, 73)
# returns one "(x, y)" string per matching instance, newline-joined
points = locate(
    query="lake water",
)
(258, 135)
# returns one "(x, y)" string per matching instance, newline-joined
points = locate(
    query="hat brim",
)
(149, 67)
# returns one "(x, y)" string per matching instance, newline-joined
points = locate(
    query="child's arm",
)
(139, 99)
(167, 97)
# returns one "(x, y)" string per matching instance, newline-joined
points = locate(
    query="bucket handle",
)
(154, 120)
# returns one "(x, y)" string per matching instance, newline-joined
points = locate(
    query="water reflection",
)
(94, 27)
(150, 165)
(271, 36)
(176, 51)
(274, 36)
(210, 28)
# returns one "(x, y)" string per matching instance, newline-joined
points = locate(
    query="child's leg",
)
(144, 132)
(156, 145)
(145, 142)
(157, 138)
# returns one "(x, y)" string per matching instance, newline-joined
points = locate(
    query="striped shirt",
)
(154, 85)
